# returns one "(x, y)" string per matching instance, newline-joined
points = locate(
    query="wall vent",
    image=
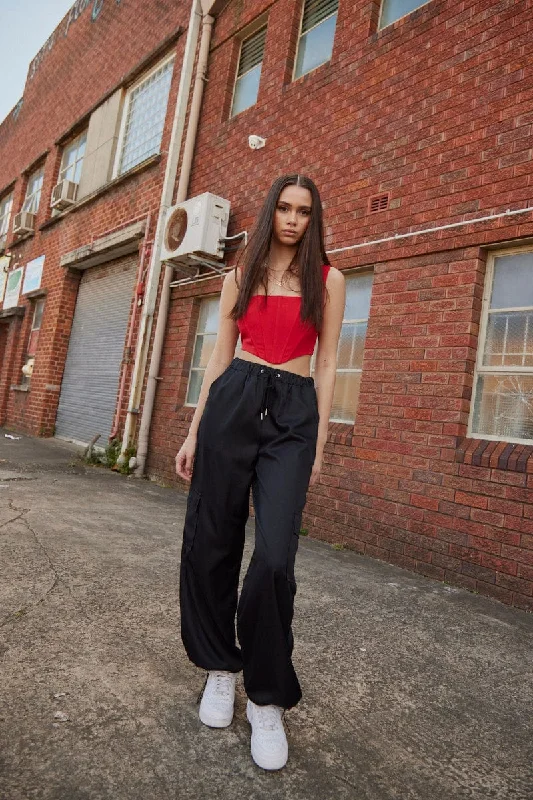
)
(379, 202)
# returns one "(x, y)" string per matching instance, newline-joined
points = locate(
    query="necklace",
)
(278, 283)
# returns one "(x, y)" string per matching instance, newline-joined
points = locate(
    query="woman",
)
(261, 422)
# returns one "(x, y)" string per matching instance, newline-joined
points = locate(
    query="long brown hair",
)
(307, 262)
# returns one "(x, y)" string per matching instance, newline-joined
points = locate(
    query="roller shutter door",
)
(92, 370)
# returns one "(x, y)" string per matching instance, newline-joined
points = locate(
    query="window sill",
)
(23, 237)
(487, 453)
(14, 311)
(35, 294)
(15, 388)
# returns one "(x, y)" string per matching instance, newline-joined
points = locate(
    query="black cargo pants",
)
(258, 430)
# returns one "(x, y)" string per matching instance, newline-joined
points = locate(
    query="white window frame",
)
(263, 26)
(125, 112)
(380, 28)
(198, 333)
(296, 77)
(192, 369)
(356, 370)
(483, 370)
(6, 207)
(75, 145)
(29, 199)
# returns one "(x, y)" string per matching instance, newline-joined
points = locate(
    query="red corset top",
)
(272, 330)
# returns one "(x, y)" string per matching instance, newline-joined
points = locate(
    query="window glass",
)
(249, 72)
(6, 204)
(145, 117)
(394, 9)
(33, 191)
(72, 160)
(318, 33)
(503, 401)
(351, 347)
(206, 335)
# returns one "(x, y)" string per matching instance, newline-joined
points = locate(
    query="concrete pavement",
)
(413, 690)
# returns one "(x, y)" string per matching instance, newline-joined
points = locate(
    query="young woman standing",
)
(260, 423)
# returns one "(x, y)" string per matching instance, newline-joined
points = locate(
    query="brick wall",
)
(436, 110)
(82, 64)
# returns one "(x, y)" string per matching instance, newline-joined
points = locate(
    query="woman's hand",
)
(315, 472)
(185, 458)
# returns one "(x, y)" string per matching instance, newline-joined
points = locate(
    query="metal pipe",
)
(154, 270)
(396, 236)
(131, 328)
(164, 303)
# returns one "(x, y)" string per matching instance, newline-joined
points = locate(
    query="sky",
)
(25, 25)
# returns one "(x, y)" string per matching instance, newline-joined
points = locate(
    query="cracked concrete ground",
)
(412, 689)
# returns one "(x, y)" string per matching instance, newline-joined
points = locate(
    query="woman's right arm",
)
(222, 355)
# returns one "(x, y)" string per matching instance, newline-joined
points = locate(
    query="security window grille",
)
(6, 204)
(502, 406)
(33, 191)
(317, 35)
(249, 72)
(351, 347)
(72, 160)
(391, 10)
(144, 119)
(206, 336)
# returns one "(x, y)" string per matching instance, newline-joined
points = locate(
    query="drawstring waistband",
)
(269, 375)
(269, 384)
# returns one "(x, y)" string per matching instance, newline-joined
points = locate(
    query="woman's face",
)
(292, 215)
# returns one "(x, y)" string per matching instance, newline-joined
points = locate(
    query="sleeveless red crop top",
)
(272, 330)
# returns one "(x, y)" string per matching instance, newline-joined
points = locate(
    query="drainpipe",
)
(159, 336)
(154, 269)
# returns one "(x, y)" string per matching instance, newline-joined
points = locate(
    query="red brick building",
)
(414, 118)
(81, 173)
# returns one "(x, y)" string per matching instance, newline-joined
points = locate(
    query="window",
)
(351, 347)
(33, 191)
(249, 72)
(392, 10)
(144, 117)
(6, 204)
(502, 406)
(72, 159)
(317, 35)
(27, 370)
(204, 344)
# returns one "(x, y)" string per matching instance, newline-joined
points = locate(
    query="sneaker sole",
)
(262, 761)
(215, 722)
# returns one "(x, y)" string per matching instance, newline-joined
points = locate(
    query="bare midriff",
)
(300, 365)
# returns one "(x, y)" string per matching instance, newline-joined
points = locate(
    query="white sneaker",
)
(269, 744)
(216, 708)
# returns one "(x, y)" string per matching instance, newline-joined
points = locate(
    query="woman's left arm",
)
(326, 360)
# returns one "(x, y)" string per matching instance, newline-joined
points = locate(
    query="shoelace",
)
(223, 684)
(268, 718)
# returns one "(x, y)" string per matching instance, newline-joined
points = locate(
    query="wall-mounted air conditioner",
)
(64, 194)
(193, 230)
(24, 222)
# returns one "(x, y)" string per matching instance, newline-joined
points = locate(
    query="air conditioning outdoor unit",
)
(24, 222)
(64, 194)
(193, 230)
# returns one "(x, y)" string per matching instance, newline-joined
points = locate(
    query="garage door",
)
(92, 370)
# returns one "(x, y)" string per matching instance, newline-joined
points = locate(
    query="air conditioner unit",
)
(64, 194)
(193, 230)
(24, 222)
